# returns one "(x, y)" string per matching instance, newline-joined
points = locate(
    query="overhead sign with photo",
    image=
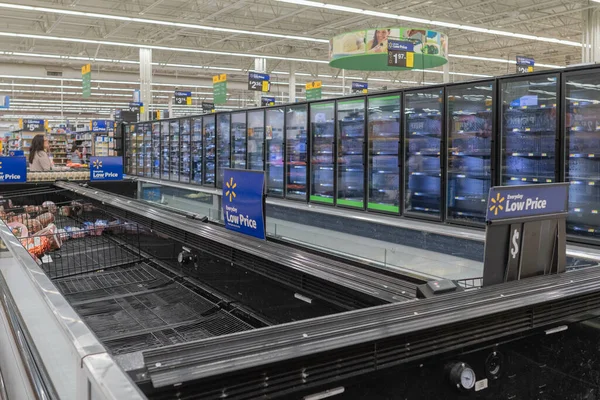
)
(183, 98)
(259, 82)
(525, 65)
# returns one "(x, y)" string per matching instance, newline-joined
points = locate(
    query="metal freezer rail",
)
(379, 287)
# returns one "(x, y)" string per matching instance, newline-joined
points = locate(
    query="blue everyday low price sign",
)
(99, 125)
(106, 168)
(505, 202)
(13, 169)
(243, 202)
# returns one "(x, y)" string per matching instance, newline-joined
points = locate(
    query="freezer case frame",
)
(443, 146)
(219, 171)
(267, 154)
(286, 155)
(205, 118)
(311, 153)
(232, 149)
(494, 145)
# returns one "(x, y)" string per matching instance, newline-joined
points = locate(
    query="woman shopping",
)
(76, 155)
(38, 156)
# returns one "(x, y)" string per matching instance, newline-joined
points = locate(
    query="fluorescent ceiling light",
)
(158, 22)
(354, 10)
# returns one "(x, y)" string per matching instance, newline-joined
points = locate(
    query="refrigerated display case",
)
(197, 151)
(256, 140)
(383, 131)
(185, 150)
(156, 156)
(165, 149)
(528, 126)
(238, 140)
(223, 145)
(296, 141)
(174, 151)
(148, 150)
(423, 116)
(470, 112)
(210, 148)
(351, 153)
(582, 152)
(275, 151)
(140, 133)
(322, 162)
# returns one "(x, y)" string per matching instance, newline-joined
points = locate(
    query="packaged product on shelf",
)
(18, 229)
(50, 206)
(22, 218)
(65, 211)
(64, 236)
(33, 225)
(36, 245)
(51, 233)
(74, 232)
(46, 219)
(32, 209)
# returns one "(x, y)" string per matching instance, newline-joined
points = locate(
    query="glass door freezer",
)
(210, 148)
(322, 162)
(139, 140)
(528, 126)
(296, 141)
(130, 149)
(470, 114)
(238, 140)
(197, 152)
(582, 151)
(274, 141)
(383, 130)
(156, 150)
(148, 150)
(174, 150)
(256, 140)
(351, 153)
(223, 145)
(423, 122)
(165, 149)
(185, 145)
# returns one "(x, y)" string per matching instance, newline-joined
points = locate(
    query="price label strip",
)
(400, 54)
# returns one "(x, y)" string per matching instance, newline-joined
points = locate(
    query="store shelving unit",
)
(185, 148)
(296, 154)
(223, 146)
(322, 162)
(197, 152)
(210, 148)
(256, 140)
(351, 153)
(238, 140)
(470, 110)
(383, 132)
(274, 171)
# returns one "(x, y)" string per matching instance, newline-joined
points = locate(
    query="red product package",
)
(51, 233)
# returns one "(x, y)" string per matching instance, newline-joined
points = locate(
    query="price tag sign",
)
(183, 98)
(208, 107)
(360, 87)
(313, 90)
(259, 82)
(525, 65)
(267, 101)
(400, 54)
(33, 125)
(136, 107)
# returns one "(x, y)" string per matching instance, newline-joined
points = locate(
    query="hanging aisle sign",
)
(98, 125)
(106, 168)
(136, 108)
(33, 125)
(259, 82)
(183, 98)
(313, 90)
(360, 87)
(220, 89)
(13, 169)
(208, 107)
(4, 102)
(525, 65)
(400, 54)
(244, 202)
(267, 101)
(86, 80)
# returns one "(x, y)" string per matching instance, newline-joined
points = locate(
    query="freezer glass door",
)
(156, 150)
(351, 153)
(423, 140)
(174, 150)
(274, 139)
(197, 151)
(148, 150)
(185, 146)
(322, 162)
(384, 145)
(165, 149)
(238, 138)
(296, 139)
(256, 140)
(470, 122)
(582, 151)
(139, 165)
(529, 128)
(130, 149)
(210, 148)
(223, 145)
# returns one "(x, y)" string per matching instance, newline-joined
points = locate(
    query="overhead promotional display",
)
(86, 80)
(33, 125)
(243, 202)
(360, 87)
(267, 101)
(13, 169)
(313, 90)
(106, 168)
(367, 50)
(183, 98)
(259, 82)
(220, 89)
(525, 65)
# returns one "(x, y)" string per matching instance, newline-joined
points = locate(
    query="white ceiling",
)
(188, 51)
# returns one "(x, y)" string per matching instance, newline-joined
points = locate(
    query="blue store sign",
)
(106, 168)
(16, 153)
(243, 202)
(99, 125)
(505, 202)
(13, 169)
